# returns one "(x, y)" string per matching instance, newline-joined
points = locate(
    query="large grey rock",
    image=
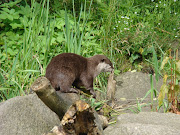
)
(145, 123)
(133, 84)
(132, 87)
(26, 115)
(174, 46)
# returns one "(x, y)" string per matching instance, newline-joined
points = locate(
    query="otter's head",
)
(103, 64)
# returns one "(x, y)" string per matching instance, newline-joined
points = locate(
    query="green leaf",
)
(165, 60)
(10, 4)
(3, 15)
(12, 11)
(24, 20)
(29, 70)
(134, 57)
(10, 17)
(1, 25)
(177, 70)
(11, 52)
(15, 25)
(117, 72)
(177, 88)
(59, 23)
(155, 62)
(1, 78)
(60, 38)
(16, 15)
(25, 11)
(14, 65)
(2, 89)
(163, 91)
(6, 10)
(92, 101)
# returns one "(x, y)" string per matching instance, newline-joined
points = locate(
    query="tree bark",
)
(111, 87)
(58, 102)
(80, 119)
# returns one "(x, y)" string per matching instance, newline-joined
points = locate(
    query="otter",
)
(68, 69)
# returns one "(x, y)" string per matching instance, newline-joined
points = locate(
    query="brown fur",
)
(67, 69)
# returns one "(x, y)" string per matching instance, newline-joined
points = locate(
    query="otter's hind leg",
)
(65, 82)
(67, 88)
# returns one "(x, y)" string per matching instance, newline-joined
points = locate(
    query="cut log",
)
(77, 117)
(58, 102)
(80, 119)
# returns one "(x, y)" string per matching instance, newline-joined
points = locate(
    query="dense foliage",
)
(32, 32)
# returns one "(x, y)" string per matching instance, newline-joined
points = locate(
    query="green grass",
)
(41, 37)
(134, 26)
(128, 32)
(19, 70)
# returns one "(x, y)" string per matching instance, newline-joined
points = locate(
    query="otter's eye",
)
(102, 60)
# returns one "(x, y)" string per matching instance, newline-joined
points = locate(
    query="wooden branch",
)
(56, 101)
(111, 87)
(80, 119)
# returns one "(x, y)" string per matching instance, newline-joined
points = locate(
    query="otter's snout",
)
(108, 68)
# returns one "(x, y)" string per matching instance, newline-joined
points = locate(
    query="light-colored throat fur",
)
(102, 67)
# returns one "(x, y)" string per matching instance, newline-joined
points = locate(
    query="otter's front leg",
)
(88, 84)
(92, 92)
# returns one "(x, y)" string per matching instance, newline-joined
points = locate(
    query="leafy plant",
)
(21, 63)
(172, 90)
(32, 32)
(26, 48)
(133, 26)
(74, 34)
(139, 105)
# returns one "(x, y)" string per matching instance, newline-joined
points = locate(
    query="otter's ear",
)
(102, 60)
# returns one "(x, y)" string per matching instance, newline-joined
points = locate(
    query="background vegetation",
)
(128, 32)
